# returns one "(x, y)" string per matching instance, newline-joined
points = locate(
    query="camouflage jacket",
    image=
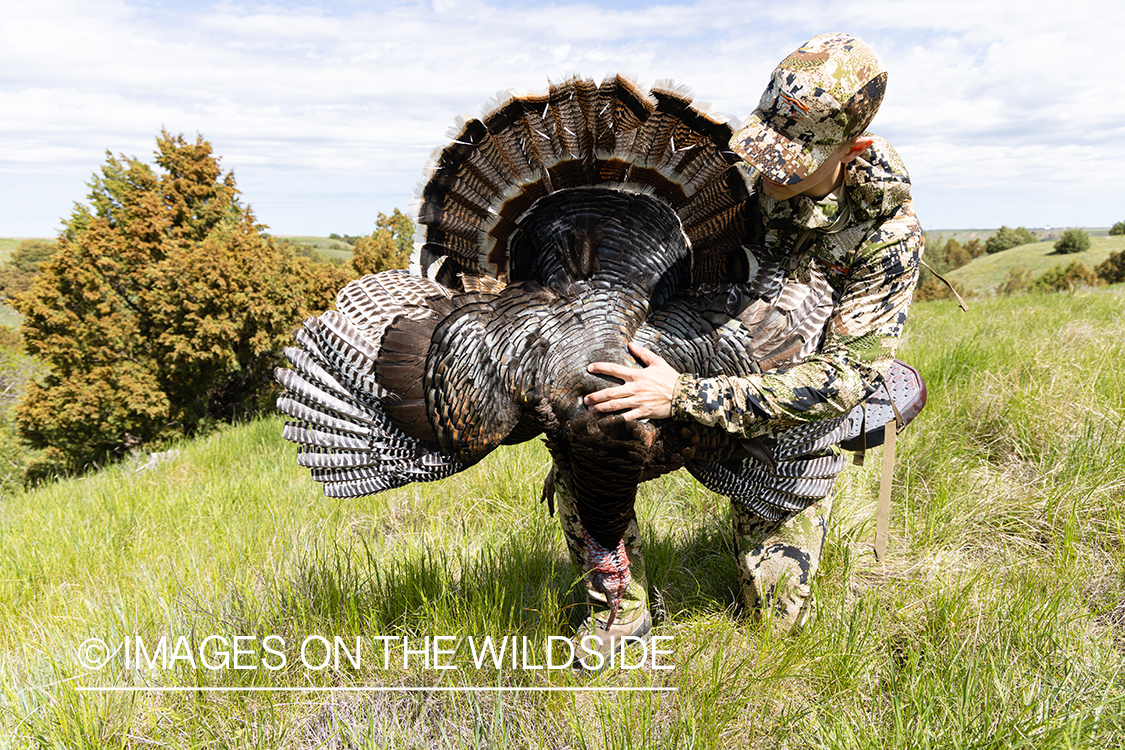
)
(871, 261)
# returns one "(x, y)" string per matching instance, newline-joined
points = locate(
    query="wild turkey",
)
(555, 230)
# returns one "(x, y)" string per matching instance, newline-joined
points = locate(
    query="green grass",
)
(7, 247)
(998, 620)
(329, 247)
(9, 317)
(985, 273)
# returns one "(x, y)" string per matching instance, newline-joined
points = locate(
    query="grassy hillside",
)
(988, 271)
(329, 247)
(7, 247)
(998, 620)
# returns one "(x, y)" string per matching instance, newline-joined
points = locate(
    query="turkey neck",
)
(604, 455)
(596, 324)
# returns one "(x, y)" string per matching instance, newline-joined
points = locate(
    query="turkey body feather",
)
(555, 230)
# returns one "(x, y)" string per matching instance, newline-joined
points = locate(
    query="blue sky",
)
(1004, 112)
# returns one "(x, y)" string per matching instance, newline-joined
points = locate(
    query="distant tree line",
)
(952, 255)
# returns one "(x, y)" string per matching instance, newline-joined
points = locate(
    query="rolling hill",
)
(983, 274)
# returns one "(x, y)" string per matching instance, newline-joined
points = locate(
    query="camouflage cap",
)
(821, 95)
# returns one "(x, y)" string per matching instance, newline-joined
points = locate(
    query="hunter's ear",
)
(858, 146)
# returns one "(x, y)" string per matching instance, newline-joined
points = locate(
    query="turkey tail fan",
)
(581, 135)
(684, 140)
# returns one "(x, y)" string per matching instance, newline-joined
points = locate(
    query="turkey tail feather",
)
(580, 134)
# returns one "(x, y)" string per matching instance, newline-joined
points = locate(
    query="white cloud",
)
(1001, 97)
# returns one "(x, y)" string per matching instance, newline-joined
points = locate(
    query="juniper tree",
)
(1072, 241)
(163, 309)
(387, 247)
(1112, 269)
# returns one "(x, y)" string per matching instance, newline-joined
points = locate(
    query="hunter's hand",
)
(646, 393)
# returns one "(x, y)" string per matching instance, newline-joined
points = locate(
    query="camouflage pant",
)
(777, 561)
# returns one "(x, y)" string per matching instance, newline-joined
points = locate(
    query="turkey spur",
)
(555, 230)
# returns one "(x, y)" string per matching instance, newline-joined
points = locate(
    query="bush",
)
(17, 274)
(1061, 278)
(955, 255)
(1072, 241)
(163, 310)
(1017, 280)
(933, 288)
(975, 248)
(1007, 238)
(1117, 229)
(1112, 269)
(388, 246)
